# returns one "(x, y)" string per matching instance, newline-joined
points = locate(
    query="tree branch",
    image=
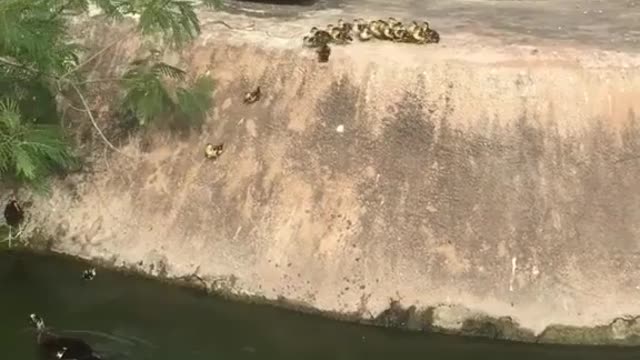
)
(93, 120)
(99, 80)
(90, 58)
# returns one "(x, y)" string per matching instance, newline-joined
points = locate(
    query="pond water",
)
(127, 317)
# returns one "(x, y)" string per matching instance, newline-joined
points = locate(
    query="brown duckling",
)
(323, 53)
(321, 36)
(430, 35)
(212, 152)
(252, 96)
(310, 41)
(345, 26)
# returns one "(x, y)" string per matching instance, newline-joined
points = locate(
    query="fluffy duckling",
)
(399, 32)
(252, 96)
(321, 36)
(323, 53)
(387, 32)
(428, 35)
(212, 152)
(345, 26)
(365, 34)
(338, 35)
(360, 24)
(89, 274)
(375, 27)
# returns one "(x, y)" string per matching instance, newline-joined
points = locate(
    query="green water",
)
(126, 317)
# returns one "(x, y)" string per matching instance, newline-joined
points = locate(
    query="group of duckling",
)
(390, 29)
(213, 152)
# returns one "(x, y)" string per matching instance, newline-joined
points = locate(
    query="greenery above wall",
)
(40, 69)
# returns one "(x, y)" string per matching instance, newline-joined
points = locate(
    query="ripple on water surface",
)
(126, 317)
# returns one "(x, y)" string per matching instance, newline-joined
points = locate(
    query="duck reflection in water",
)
(54, 347)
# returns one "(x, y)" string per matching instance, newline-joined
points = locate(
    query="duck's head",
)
(313, 30)
(37, 321)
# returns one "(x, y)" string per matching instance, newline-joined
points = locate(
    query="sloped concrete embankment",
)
(419, 187)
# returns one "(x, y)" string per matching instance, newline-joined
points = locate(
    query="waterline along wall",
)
(466, 187)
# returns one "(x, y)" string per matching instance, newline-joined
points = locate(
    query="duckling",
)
(399, 32)
(52, 346)
(252, 96)
(360, 24)
(13, 216)
(430, 35)
(323, 53)
(345, 26)
(375, 27)
(89, 274)
(412, 26)
(212, 152)
(321, 36)
(309, 41)
(338, 35)
(387, 32)
(417, 35)
(365, 34)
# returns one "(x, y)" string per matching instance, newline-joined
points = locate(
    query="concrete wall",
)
(472, 181)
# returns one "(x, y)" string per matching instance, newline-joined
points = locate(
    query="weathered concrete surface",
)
(474, 180)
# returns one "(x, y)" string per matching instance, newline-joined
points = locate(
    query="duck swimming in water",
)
(89, 274)
(53, 347)
(14, 216)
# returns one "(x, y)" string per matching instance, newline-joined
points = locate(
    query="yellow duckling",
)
(411, 28)
(375, 27)
(212, 152)
(323, 53)
(338, 35)
(252, 96)
(399, 32)
(387, 32)
(417, 35)
(365, 34)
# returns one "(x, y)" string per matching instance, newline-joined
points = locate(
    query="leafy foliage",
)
(148, 96)
(39, 63)
(28, 150)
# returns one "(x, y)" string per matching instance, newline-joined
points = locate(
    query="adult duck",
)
(54, 347)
